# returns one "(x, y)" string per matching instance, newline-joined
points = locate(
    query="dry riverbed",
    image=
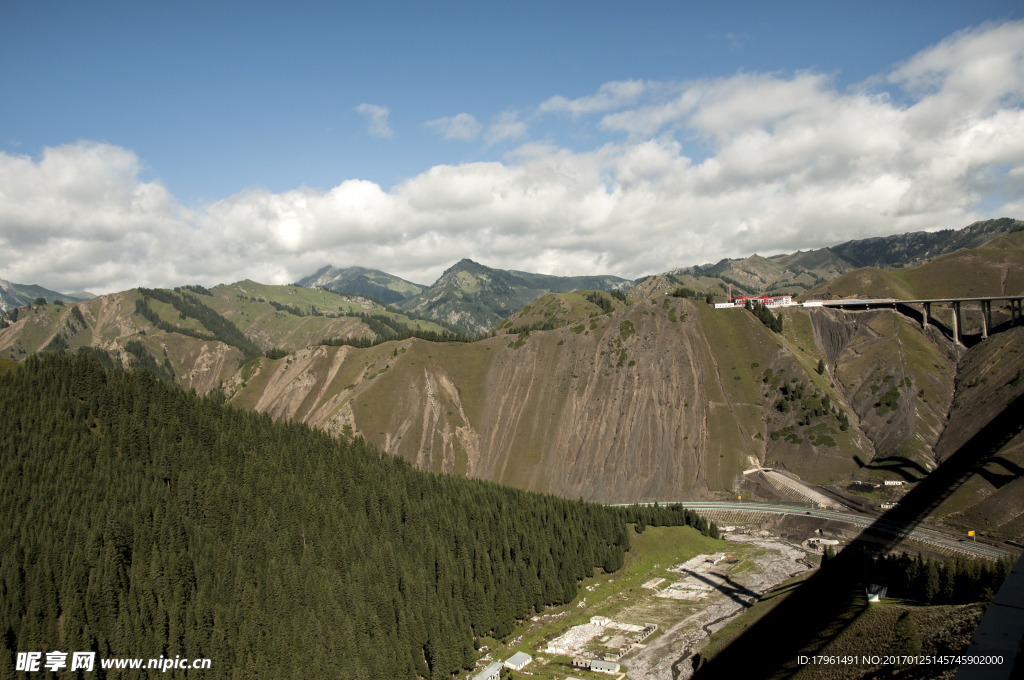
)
(769, 562)
(686, 585)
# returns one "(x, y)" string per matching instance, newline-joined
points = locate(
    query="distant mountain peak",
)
(363, 282)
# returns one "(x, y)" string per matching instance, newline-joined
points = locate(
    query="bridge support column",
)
(927, 313)
(986, 318)
(956, 323)
(1015, 313)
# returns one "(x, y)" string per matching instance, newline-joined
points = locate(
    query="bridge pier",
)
(927, 313)
(986, 319)
(956, 323)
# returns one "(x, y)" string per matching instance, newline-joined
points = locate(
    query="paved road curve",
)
(918, 533)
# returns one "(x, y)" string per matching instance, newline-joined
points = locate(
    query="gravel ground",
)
(667, 657)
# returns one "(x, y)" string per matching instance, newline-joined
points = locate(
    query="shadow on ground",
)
(822, 607)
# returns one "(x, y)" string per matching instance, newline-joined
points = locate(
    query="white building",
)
(894, 482)
(490, 673)
(766, 300)
(518, 660)
(877, 593)
(604, 667)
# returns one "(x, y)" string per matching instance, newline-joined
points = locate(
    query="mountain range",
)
(588, 394)
(18, 294)
(468, 296)
(475, 298)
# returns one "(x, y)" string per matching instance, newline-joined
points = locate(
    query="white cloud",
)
(462, 126)
(506, 126)
(610, 96)
(377, 120)
(791, 162)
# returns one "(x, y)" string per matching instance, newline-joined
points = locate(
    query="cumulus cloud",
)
(610, 96)
(789, 161)
(462, 126)
(376, 119)
(506, 126)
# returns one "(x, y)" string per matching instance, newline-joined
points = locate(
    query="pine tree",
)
(931, 582)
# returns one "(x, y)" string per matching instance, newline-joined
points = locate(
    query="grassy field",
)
(7, 365)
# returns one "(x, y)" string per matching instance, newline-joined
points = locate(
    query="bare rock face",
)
(833, 331)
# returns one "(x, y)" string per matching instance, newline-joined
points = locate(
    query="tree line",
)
(387, 329)
(761, 311)
(673, 515)
(930, 581)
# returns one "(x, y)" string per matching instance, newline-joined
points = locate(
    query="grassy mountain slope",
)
(917, 246)
(303, 317)
(990, 380)
(109, 323)
(798, 272)
(659, 284)
(783, 274)
(565, 284)
(966, 273)
(657, 400)
(475, 298)
(559, 309)
(361, 281)
(249, 305)
(1011, 241)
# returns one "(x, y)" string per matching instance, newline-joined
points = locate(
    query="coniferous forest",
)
(141, 520)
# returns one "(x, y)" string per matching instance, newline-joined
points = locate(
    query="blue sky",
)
(221, 115)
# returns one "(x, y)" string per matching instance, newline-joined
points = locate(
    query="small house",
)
(490, 673)
(518, 660)
(604, 667)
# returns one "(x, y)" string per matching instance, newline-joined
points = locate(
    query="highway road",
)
(917, 533)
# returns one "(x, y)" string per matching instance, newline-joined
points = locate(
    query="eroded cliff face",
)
(897, 377)
(658, 401)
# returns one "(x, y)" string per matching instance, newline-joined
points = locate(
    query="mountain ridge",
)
(476, 298)
(19, 294)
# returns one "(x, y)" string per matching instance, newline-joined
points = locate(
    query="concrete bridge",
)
(926, 313)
